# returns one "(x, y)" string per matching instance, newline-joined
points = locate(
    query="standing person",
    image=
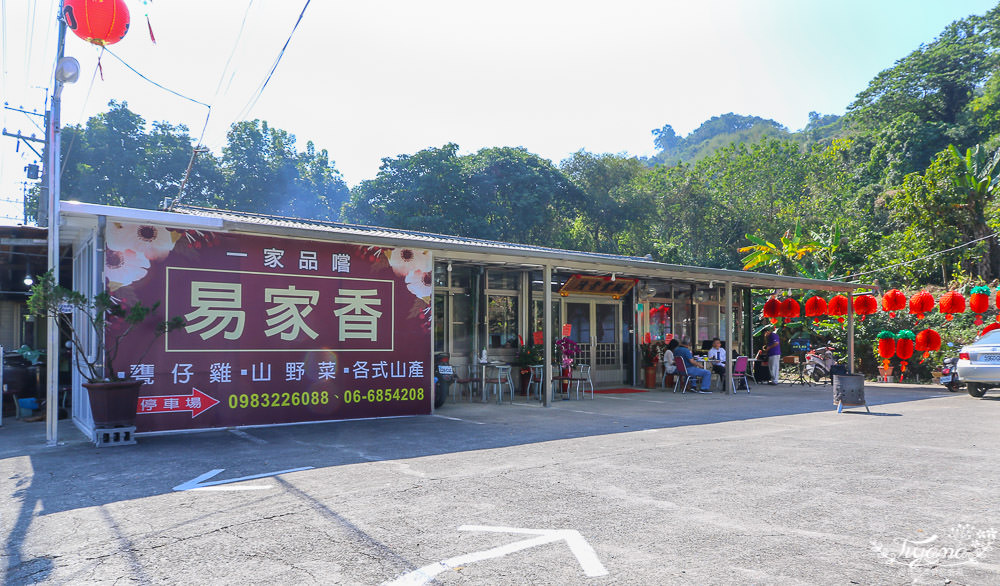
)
(772, 347)
(717, 354)
(692, 367)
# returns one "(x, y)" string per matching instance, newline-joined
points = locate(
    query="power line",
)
(899, 264)
(253, 100)
(159, 85)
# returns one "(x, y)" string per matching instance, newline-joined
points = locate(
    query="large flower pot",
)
(114, 404)
(650, 373)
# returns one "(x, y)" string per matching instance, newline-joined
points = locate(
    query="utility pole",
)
(67, 71)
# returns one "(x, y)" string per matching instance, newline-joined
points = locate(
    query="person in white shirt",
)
(717, 355)
(669, 366)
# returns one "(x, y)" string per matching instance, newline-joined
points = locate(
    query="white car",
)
(979, 364)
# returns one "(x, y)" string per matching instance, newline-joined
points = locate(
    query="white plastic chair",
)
(537, 374)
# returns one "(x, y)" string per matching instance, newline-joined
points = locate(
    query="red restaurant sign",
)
(277, 330)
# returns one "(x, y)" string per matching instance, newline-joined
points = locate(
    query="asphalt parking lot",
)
(773, 487)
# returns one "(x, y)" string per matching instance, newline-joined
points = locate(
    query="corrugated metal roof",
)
(464, 248)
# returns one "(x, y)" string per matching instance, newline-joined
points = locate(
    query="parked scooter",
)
(949, 374)
(819, 362)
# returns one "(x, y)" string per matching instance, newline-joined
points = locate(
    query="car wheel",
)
(976, 389)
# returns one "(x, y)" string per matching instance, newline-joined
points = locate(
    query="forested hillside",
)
(909, 171)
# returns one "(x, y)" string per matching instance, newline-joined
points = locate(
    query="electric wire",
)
(159, 85)
(260, 90)
(83, 109)
(899, 264)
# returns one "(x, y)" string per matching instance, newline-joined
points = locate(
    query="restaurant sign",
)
(277, 330)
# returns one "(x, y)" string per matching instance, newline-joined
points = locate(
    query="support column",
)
(547, 329)
(850, 332)
(730, 346)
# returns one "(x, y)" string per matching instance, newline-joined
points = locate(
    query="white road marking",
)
(198, 484)
(247, 436)
(457, 419)
(585, 554)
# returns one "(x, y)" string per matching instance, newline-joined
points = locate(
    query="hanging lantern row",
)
(893, 301)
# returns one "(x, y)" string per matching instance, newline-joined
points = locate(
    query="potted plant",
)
(526, 357)
(649, 354)
(565, 350)
(113, 398)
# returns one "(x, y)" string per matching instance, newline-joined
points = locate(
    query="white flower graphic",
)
(124, 268)
(151, 242)
(421, 284)
(406, 260)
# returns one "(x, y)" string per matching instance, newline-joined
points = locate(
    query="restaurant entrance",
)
(596, 325)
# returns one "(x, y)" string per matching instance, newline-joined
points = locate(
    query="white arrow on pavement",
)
(198, 484)
(577, 544)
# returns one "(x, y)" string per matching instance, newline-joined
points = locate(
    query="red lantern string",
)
(893, 301)
(815, 307)
(951, 302)
(837, 307)
(928, 341)
(921, 303)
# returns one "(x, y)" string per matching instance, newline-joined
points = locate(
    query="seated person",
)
(684, 353)
(669, 367)
(717, 355)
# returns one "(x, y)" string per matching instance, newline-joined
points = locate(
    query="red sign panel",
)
(276, 330)
(567, 330)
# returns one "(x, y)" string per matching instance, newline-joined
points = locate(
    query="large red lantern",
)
(886, 346)
(865, 305)
(772, 309)
(904, 348)
(815, 307)
(951, 302)
(790, 308)
(927, 341)
(979, 302)
(837, 307)
(101, 22)
(894, 300)
(921, 303)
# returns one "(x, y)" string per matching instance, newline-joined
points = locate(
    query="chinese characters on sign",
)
(280, 331)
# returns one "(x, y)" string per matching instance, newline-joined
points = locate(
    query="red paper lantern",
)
(979, 302)
(886, 346)
(790, 308)
(815, 307)
(951, 302)
(928, 341)
(865, 305)
(904, 347)
(990, 328)
(921, 303)
(101, 22)
(837, 307)
(894, 300)
(772, 310)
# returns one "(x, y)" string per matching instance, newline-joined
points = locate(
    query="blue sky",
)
(374, 79)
